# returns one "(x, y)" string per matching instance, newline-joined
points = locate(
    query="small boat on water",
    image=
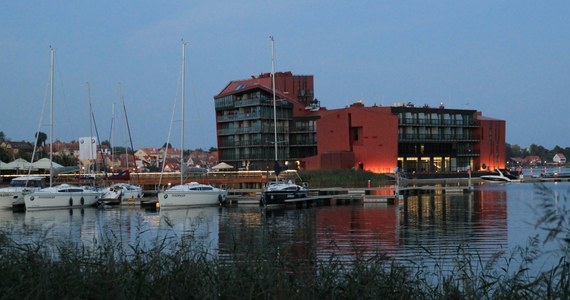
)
(501, 176)
(275, 193)
(192, 194)
(62, 196)
(20, 186)
(121, 193)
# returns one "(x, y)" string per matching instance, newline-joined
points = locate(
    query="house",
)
(154, 157)
(533, 160)
(16, 149)
(559, 158)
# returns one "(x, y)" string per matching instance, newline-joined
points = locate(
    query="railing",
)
(436, 122)
(436, 137)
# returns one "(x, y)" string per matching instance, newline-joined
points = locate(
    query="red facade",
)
(369, 138)
(360, 137)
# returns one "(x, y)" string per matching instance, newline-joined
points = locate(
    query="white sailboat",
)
(275, 193)
(64, 195)
(189, 194)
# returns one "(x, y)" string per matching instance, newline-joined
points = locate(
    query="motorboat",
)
(62, 196)
(501, 176)
(121, 193)
(275, 193)
(20, 186)
(192, 194)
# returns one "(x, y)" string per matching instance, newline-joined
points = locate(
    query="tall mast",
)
(182, 118)
(92, 157)
(273, 90)
(52, 61)
(113, 137)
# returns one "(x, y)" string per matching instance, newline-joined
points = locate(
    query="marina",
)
(436, 221)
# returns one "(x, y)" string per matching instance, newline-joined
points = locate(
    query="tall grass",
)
(263, 267)
(343, 178)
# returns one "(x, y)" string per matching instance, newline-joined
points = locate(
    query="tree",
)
(4, 156)
(2, 136)
(106, 143)
(41, 138)
(166, 144)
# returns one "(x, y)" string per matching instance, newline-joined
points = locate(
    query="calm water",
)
(436, 228)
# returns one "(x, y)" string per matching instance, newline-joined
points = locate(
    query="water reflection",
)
(435, 227)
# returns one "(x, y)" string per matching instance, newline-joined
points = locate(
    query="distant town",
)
(107, 158)
(151, 159)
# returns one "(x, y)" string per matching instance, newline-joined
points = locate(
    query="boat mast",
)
(274, 99)
(112, 137)
(52, 61)
(182, 118)
(92, 157)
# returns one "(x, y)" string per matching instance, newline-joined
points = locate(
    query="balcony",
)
(436, 138)
(240, 117)
(436, 122)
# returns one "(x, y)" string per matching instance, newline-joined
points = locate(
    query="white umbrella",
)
(222, 166)
(18, 164)
(44, 163)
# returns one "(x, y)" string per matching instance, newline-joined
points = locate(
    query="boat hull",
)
(46, 200)
(277, 198)
(11, 196)
(190, 198)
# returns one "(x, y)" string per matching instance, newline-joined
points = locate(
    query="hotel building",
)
(376, 138)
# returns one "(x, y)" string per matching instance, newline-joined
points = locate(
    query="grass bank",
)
(343, 178)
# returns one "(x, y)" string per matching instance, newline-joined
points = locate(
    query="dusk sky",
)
(508, 59)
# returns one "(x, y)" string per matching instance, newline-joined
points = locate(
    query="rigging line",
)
(128, 130)
(38, 131)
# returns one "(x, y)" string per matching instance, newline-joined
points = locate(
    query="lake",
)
(435, 229)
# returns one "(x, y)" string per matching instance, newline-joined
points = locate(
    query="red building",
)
(413, 139)
(375, 138)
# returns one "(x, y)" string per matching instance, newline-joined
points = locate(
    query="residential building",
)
(17, 149)
(246, 126)
(559, 158)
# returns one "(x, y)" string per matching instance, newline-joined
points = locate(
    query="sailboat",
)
(122, 192)
(275, 193)
(193, 193)
(63, 195)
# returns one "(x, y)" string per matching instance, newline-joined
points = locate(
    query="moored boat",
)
(192, 194)
(189, 194)
(62, 196)
(121, 193)
(20, 186)
(501, 176)
(276, 193)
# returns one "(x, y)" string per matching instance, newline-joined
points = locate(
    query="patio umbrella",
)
(222, 166)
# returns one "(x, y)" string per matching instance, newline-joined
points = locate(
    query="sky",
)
(508, 59)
